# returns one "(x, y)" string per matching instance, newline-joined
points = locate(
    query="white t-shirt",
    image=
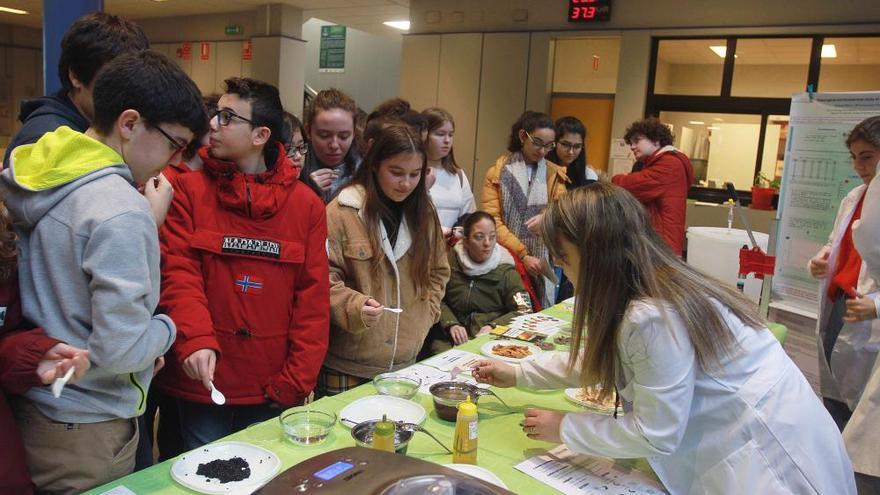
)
(452, 196)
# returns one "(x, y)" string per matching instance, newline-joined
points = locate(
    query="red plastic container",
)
(762, 198)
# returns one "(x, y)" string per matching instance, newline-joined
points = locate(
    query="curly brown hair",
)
(652, 129)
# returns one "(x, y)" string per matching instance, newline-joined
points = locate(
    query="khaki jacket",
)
(556, 182)
(394, 341)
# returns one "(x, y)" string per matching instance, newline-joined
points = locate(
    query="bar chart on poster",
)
(817, 175)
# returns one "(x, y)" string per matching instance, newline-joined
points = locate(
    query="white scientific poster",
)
(818, 173)
(621, 158)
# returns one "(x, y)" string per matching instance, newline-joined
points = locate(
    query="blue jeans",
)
(201, 424)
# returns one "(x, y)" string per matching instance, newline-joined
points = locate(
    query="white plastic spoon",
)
(59, 383)
(393, 310)
(454, 372)
(217, 396)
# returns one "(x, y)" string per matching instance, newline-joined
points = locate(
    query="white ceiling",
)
(366, 15)
(855, 51)
(689, 52)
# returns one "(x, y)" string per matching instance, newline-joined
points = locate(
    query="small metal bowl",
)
(397, 385)
(363, 436)
(306, 427)
(448, 395)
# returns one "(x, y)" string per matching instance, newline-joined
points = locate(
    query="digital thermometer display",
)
(333, 470)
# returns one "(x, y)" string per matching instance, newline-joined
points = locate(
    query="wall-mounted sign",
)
(205, 53)
(332, 55)
(247, 50)
(185, 51)
(232, 30)
(589, 10)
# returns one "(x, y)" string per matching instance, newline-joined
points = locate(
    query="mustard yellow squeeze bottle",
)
(465, 445)
(383, 435)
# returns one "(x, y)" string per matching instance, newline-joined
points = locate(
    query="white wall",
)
(727, 161)
(372, 65)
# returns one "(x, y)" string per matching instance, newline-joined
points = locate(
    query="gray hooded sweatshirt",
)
(88, 271)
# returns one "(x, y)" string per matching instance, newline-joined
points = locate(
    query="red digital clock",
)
(589, 10)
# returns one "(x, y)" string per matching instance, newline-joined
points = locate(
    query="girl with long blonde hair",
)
(709, 396)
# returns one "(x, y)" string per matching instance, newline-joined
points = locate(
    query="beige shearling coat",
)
(394, 341)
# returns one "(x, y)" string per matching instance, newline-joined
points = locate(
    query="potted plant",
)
(763, 192)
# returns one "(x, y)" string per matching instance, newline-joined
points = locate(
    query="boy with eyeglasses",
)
(89, 265)
(245, 273)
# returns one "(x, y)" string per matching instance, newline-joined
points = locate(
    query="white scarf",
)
(472, 269)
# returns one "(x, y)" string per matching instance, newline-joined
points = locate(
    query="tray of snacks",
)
(512, 351)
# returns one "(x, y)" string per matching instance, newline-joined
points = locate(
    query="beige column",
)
(279, 53)
(632, 80)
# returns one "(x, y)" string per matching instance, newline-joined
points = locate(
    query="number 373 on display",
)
(589, 10)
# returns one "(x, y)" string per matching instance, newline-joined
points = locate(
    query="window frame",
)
(725, 103)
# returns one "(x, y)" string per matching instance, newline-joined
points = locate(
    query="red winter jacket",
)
(662, 186)
(173, 171)
(20, 352)
(245, 273)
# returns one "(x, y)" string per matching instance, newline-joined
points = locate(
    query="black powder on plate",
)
(225, 471)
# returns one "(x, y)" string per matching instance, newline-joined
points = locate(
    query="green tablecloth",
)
(502, 443)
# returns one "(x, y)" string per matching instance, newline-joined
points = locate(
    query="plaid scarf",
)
(521, 200)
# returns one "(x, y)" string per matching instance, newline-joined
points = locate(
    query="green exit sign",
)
(233, 29)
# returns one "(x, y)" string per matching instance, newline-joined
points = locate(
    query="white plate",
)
(264, 466)
(572, 395)
(487, 350)
(373, 407)
(479, 473)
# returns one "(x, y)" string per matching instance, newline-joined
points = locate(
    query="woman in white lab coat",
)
(709, 397)
(847, 328)
(862, 434)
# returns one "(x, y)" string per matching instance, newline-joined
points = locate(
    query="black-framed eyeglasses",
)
(173, 143)
(302, 149)
(570, 147)
(225, 116)
(540, 144)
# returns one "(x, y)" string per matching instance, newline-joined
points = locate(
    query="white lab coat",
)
(862, 434)
(856, 348)
(753, 425)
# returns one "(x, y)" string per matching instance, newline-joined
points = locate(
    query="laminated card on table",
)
(579, 474)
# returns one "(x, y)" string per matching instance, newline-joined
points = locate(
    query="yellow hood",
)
(59, 157)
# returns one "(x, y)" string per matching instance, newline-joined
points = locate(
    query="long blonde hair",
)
(622, 259)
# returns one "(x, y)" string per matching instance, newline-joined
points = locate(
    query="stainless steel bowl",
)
(363, 435)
